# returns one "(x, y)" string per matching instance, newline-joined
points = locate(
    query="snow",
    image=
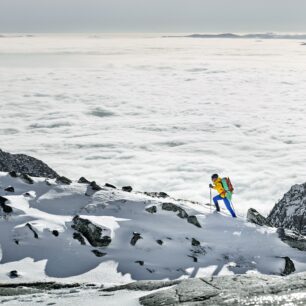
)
(160, 114)
(227, 246)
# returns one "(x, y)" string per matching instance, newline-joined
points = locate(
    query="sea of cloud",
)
(160, 114)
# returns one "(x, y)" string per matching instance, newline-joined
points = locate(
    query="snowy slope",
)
(168, 249)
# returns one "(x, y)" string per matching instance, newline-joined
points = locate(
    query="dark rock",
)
(63, 180)
(140, 262)
(20, 163)
(79, 237)
(26, 178)
(160, 242)
(83, 180)
(157, 194)
(150, 270)
(10, 189)
(193, 220)
(293, 239)
(16, 241)
(94, 186)
(13, 174)
(290, 211)
(135, 238)
(195, 242)
(152, 209)
(98, 253)
(110, 186)
(255, 217)
(289, 266)
(127, 188)
(175, 208)
(55, 233)
(27, 195)
(6, 208)
(13, 274)
(92, 232)
(32, 230)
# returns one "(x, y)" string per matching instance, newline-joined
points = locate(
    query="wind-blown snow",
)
(159, 113)
(227, 245)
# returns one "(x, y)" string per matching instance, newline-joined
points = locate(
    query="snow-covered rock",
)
(21, 163)
(290, 211)
(255, 217)
(54, 231)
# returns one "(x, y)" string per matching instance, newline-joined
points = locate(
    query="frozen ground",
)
(159, 113)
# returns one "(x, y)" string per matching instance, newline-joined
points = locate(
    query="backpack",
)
(228, 187)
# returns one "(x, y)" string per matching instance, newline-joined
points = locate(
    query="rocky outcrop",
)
(293, 239)
(63, 180)
(227, 291)
(162, 195)
(91, 232)
(21, 163)
(5, 208)
(255, 217)
(289, 266)
(152, 209)
(175, 208)
(127, 188)
(290, 211)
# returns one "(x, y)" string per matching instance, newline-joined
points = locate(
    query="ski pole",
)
(210, 206)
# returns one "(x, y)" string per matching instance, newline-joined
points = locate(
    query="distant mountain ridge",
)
(250, 35)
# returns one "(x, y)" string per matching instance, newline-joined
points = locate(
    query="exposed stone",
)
(195, 259)
(195, 242)
(152, 209)
(175, 208)
(98, 253)
(32, 230)
(27, 195)
(27, 179)
(110, 186)
(83, 180)
(9, 189)
(55, 233)
(63, 180)
(127, 188)
(194, 220)
(95, 186)
(140, 262)
(157, 194)
(289, 266)
(290, 211)
(6, 208)
(20, 163)
(13, 274)
(160, 242)
(293, 239)
(92, 232)
(135, 238)
(79, 237)
(255, 217)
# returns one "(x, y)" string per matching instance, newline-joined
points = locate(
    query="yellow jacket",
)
(218, 186)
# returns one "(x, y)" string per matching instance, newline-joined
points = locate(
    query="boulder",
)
(83, 180)
(13, 174)
(55, 233)
(193, 220)
(63, 180)
(195, 242)
(94, 186)
(6, 208)
(175, 208)
(289, 266)
(152, 209)
(20, 163)
(135, 238)
(13, 274)
(293, 239)
(98, 253)
(9, 189)
(290, 211)
(93, 233)
(140, 262)
(255, 217)
(162, 195)
(160, 242)
(27, 179)
(127, 188)
(110, 186)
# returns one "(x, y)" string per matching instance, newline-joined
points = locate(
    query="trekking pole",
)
(210, 206)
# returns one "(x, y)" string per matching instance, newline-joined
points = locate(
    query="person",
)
(222, 194)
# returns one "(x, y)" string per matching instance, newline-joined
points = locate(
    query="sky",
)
(152, 15)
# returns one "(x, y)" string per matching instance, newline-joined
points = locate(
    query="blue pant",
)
(227, 204)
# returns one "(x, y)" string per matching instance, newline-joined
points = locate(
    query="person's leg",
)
(216, 199)
(229, 207)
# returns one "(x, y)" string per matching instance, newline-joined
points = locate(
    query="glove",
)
(211, 186)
